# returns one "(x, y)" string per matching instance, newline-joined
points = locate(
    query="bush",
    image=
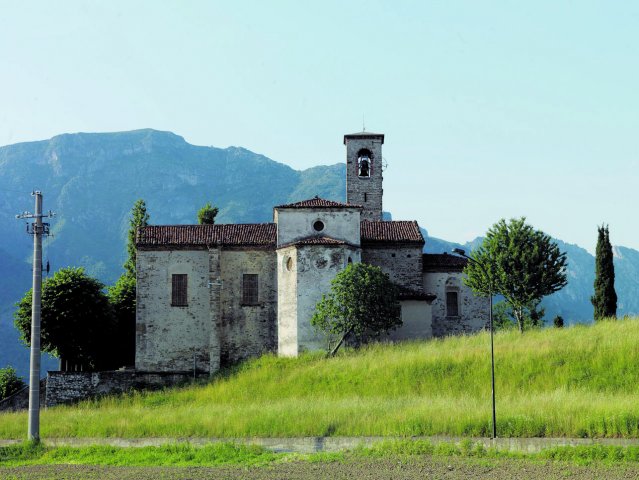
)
(10, 383)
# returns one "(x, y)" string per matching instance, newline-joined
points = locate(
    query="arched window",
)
(364, 163)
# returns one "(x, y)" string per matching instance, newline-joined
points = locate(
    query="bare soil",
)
(368, 469)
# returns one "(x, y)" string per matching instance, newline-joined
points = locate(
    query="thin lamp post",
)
(462, 253)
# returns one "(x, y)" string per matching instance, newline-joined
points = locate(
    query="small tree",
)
(10, 383)
(605, 298)
(362, 302)
(558, 321)
(521, 264)
(139, 218)
(122, 299)
(76, 318)
(206, 215)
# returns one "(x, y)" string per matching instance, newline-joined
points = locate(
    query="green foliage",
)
(122, 299)
(580, 381)
(558, 321)
(605, 298)
(520, 263)
(362, 302)
(76, 318)
(139, 218)
(206, 215)
(10, 383)
(504, 316)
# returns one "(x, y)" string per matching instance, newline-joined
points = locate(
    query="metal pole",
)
(492, 363)
(461, 252)
(34, 372)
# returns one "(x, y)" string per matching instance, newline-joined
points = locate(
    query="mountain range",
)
(91, 181)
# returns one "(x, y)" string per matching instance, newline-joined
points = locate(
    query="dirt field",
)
(369, 469)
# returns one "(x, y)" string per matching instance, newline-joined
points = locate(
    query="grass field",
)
(576, 382)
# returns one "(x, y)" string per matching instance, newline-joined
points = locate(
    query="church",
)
(211, 295)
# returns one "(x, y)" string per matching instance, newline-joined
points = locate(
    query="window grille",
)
(249, 289)
(452, 304)
(179, 296)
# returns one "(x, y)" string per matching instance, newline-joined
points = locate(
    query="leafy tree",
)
(76, 318)
(504, 316)
(521, 264)
(558, 321)
(122, 299)
(362, 302)
(10, 383)
(139, 218)
(605, 298)
(206, 215)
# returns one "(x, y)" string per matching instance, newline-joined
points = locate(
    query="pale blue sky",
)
(490, 109)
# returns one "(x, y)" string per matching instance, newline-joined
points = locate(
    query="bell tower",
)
(364, 173)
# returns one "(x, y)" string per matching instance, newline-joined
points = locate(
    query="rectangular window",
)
(179, 290)
(249, 289)
(452, 305)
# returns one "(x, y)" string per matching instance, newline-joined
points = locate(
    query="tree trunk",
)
(520, 319)
(339, 344)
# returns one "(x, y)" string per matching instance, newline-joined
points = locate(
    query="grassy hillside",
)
(580, 381)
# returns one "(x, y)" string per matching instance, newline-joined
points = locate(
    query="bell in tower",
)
(364, 173)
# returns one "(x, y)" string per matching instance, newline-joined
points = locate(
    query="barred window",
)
(452, 304)
(179, 296)
(249, 289)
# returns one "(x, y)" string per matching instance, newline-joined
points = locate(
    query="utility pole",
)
(37, 229)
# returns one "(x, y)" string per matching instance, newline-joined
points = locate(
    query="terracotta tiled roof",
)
(402, 231)
(319, 203)
(317, 240)
(410, 294)
(320, 241)
(443, 262)
(250, 234)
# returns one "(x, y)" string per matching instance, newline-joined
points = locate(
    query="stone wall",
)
(69, 387)
(20, 399)
(365, 191)
(247, 330)
(402, 263)
(170, 338)
(473, 310)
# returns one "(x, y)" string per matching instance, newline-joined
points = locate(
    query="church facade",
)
(212, 295)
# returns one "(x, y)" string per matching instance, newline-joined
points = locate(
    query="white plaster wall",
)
(296, 223)
(287, 303)
(473, 310)
(416, 321)
(168, 337)
(317, 265)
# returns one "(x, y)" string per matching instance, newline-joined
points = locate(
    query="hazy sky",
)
(490, 109)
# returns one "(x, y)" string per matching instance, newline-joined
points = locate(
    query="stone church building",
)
(211, 295)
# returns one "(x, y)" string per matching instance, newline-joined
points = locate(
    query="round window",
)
(318, 225)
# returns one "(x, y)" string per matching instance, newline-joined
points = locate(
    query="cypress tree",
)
(605, 298)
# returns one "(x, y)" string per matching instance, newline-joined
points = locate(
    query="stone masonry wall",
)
(168, 338)
(247, 330)
(402, 264)
(473, 310)
(365, 191)
(69, 387)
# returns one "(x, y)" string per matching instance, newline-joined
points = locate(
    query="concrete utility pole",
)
(37, 229)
